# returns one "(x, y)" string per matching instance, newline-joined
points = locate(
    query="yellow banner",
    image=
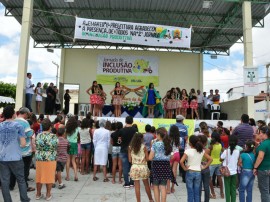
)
(127, 80)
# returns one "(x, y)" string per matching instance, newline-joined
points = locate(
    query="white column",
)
(23, 53)
(201, 73)
(248, 48)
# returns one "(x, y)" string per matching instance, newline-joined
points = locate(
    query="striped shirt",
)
(244, 132)
(62, 148)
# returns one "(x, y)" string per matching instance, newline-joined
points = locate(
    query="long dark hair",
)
(195, 142)
(233, 140)
(85, 123)
(136, 142)
(150, 84)
(166, 140)
(37, 85)
(71, 125)
(175, 135)
(215, 137)
(93, 86)
(250, 145)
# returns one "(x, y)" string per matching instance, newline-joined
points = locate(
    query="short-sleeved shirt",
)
(73, 138)
(62, 148)
(264, 147)
(158, 149)
(147, 138)
(115, 138)
(248, 160)
(244, 132)
(232, 160)
(126, 135)
(27, 150)
(46, 146)
(85, 137)
(194, 159)
(10, 134)
(183, 134)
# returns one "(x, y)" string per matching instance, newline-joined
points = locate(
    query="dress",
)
(151, 100)
(185, 104)
(117, 100)
(139, 169)
(101, 140)
(95, 97)
(38, 96)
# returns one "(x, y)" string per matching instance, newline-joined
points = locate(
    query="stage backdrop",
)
(175, 69)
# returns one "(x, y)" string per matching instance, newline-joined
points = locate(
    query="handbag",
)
(224, 170)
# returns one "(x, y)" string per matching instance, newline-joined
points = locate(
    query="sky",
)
(222, 73)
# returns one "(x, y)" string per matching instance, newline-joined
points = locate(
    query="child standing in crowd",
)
(138, 156)
(175, 143)
(215, 151)
(205, 173)
(230, 158)
(62, 155)
(161, 171)
(246, 162)
(193, 167)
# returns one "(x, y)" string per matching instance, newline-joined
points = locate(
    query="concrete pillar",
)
(23, 53)
(248, 49)
(201, 74)
(61, 77)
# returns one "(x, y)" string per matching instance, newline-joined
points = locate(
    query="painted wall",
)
(78, 66)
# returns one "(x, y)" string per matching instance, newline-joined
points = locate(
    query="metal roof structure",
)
(215, 29)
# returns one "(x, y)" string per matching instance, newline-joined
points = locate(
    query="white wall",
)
(78, 66)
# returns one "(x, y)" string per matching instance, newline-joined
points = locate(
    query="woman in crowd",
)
(230, 159)
(175, 142)
(95, 99)
(193, 167)
(138, 157)
(117, 96)
(246, 162)
(85, 139)
(161, 171)
(184, 100)
(193, 103)
(151, 99)
(102, 95)
(215, 151)
(116, 147)
(262, 164)
(46, 149)
(101, 140)
(38, 92)
(72, 132)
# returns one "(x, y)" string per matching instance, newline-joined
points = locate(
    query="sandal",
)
(95, 178)
(39, 197)
(106, 180)
(213, 196)
(67, 178)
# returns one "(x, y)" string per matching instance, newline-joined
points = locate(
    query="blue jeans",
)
(193, 184)
(17, 168)
(205, 183)
(126, 168)
(264, 184)
(28, 101)
(246, 184)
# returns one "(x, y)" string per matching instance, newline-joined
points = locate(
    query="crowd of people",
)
(235, 156)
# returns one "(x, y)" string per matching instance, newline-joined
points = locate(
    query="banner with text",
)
(251, 81)
(128, 70)
(132, 33)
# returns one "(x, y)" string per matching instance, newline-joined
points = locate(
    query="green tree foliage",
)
(7, 90)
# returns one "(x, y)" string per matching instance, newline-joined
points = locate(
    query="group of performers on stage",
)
(175, 101)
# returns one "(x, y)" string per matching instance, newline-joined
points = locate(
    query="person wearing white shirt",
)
(205, 107)
(29, 91)
(200, 104)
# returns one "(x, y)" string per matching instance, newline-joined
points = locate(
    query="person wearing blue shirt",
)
(27, 150)
(12, 138)
(183, 139)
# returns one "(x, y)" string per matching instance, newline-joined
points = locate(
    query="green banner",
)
(127, 80)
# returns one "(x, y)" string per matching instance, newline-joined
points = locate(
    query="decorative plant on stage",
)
(130, 105)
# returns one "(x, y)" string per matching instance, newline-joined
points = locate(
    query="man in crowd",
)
(243, 131)
(183, 139)
(126, 135)
(29, 91)
(200, 104)
(67, 99)
(205, 107)
(216, 97)
(209, 103)
(12, 139)
(50, 100)
(26, 150)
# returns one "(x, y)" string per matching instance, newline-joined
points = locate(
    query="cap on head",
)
(180, 117)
